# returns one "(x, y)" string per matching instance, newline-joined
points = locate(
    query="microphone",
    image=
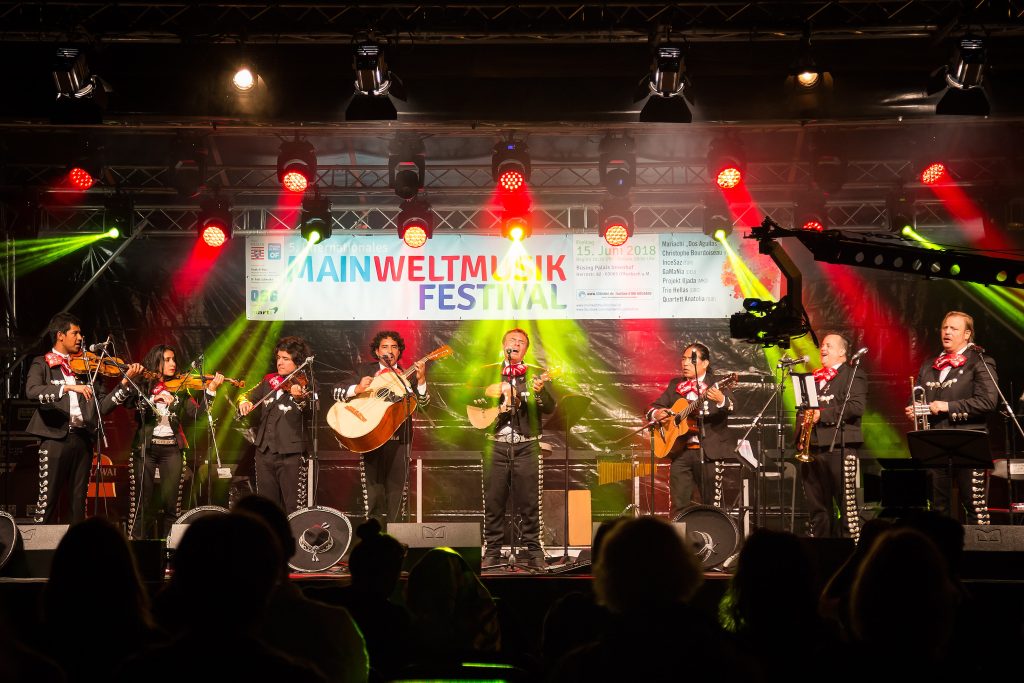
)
(977, 347)
(197, 361)
(693, 358)
(98, 346)
(860, 352)
(508, 352)
(788, 362)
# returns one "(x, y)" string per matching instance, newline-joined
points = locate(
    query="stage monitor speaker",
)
(462, 537)
(579, 518)
(994, 537)
(40, 543)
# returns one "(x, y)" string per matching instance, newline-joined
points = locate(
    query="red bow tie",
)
(274, 380)
(54, 359)
(159, 388)
(514, 370)
(382, 371)
(690, 385)
(953, 360)
(827, 374)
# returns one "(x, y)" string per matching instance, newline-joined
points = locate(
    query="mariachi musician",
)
(66, 419)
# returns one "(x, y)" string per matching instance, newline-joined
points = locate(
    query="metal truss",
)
(464, 22)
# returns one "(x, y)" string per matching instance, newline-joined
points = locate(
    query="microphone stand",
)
(701, 434)
(510, 449)
(759, 470)
(212, 445)
(313, 473)
(406, 423)
(97, 472)
(1013, 418)
(840, 431)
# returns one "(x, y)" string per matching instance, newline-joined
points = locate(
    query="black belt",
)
(163, 441)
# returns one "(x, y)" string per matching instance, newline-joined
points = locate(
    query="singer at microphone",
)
(826, 487)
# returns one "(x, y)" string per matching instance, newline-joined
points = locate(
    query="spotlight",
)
(962, 79)
(415, 223)
(81, 95)
(406, 167)
(617, 167)
(214, 224)
(666, 88)
(245, 78)
(717, 225)
(811, 214)
(510, 165)
(899, 210)
(315, 224)
(808, 86)
(187, 166)
(296, 165)
(515, 226)
(934, 173)
(80, 179)
(727, 163)
(828, 170)
(119, 215)
(615, 221)
(374, 83)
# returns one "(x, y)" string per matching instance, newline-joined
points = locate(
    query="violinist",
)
(281, 431)
(66, 419)
(159, 441)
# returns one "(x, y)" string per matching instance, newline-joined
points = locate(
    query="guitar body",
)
(672, 428)
(368, 420)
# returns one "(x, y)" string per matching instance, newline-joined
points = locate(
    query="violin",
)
(108, 366)
(196, 382)
(298, 379)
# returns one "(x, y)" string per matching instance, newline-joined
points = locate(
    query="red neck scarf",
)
(53, 359)
(690, 385)
(826, 374)
(953, 360)
(514, 370)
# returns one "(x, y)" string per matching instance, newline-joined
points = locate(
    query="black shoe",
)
(536, 562)
(491, 561)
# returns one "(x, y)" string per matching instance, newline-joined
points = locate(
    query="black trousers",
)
(385, 472)
(684, 474)
(512, 469)
(63, 464)
(962, 482)
(278, 476)
(148, 512)
(824, 491)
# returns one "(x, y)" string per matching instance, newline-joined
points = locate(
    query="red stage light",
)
(214, 235)
(616, 234)
(295, 181)
(80, 179)
(815, 225)
(415, 235)
(511, 180)
(729, 177)
(933, 174)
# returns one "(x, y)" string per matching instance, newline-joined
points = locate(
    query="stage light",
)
(811, 213)
(962, 80)
(510, 165)
(716, 223)
(515, 227)
(808, 85)
(214, 223)
(615, 221)
(934, 173)
(119, 215)
(244, 79)
(415, 223)
(296, 165)
(374, 83)
(315, 224)
(81, 95)
(406, 167)
(80, 179)
(187, 166)
(808, 79)
(727, 163)
(666, 88)
(828, 170)
(113, 233)
(617, 166)
(899, 209)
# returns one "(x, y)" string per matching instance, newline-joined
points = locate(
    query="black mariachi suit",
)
(717, 443)
(384, 471)
(163, 510)
(823, 477)
(972, 397)
(281, 436)
(516, 465)
(65, 453)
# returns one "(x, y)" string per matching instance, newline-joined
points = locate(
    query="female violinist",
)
(281, 431)
(159, 442)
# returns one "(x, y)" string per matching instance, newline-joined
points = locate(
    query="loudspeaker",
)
(462, 537)
(40, 542)
(995, 537)
(554, 518)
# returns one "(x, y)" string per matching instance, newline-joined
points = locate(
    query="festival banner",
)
(478, 277)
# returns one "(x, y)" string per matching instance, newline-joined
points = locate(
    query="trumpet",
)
(803, 438)
(920, 405)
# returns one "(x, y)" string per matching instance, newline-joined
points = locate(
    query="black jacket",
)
(146, 419)
(969, 390)
(281, 420)
(718, 445)
(340, 391)
(830, 400)
(52, 418)
(526, 421)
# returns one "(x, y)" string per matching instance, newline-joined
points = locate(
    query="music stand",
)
(569, 411)
(950, 449)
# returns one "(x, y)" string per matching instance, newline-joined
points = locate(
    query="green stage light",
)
(113, 233)
(720, 235)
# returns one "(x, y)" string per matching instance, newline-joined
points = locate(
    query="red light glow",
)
(80, 179)
(616, 235)
(511, 180)
(729, 177)
(295, 181)
(214, 235)
(933, 174)
(814, 225)
(415, 236)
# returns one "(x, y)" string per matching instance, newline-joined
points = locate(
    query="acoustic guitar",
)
(370, 418)
(482, 418)
(680, 422)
